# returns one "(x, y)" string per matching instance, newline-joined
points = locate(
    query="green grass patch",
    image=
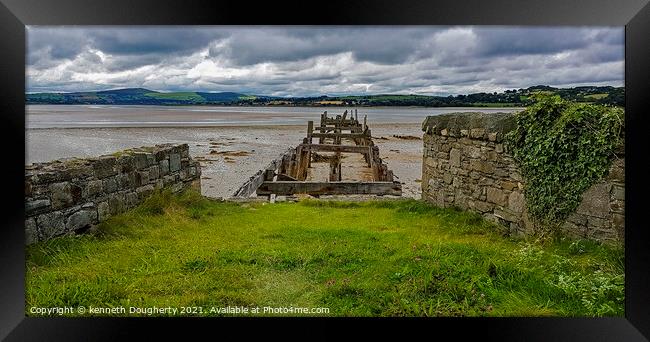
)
(179, 96)
(596, 96)
(376, 258)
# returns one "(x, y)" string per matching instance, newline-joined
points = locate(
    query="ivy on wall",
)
(562, 148)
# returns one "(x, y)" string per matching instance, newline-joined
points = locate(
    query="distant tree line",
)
(516, 97)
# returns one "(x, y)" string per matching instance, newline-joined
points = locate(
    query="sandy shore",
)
(228, 155)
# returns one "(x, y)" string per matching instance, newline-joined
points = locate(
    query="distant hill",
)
(516, 97)
(137, 96)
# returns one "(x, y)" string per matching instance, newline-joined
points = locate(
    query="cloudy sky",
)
(305, 61)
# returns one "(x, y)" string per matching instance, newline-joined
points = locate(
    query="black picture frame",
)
(16, 14)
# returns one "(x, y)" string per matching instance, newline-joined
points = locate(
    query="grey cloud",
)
(301, 61)
(148, 40)
(385, 45)
(47, 45)
(500, 41)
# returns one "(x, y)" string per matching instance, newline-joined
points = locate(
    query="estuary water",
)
(99, 116)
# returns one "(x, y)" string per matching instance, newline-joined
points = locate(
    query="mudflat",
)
(228, 155)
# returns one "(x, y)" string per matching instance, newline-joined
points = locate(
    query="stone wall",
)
(71, 195)
(466, 165)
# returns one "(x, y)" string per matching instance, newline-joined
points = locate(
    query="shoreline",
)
(243, 127)
(229, 155)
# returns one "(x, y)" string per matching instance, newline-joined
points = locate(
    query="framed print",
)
(438, 165)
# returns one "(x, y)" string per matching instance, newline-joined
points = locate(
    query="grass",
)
(596, 96)
(377, 258)
(180, 96)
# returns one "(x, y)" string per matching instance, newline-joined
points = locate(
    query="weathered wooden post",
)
(323, 119)
(368, 156)
(335, 168)
(310, 130)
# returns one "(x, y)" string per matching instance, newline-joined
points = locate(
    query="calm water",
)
(98, 116)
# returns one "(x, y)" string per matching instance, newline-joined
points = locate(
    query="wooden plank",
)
(249, 187)
(304, 162)
(330, 188)
(283, 177)
(340, 135)
(333, 121)
(338, 148)
(344, 128)
(335, 168)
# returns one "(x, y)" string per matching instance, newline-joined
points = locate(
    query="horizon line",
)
(320, 95)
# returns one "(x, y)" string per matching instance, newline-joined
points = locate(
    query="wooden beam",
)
(310, 129)
(338, 148)
(332, 121)
(330, 188)
(347, 128)
(323, 118)
(283, 177)
(249, 187)
(335, 168)
(340, 135)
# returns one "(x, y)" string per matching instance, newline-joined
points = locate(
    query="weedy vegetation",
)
(376, 258)
(563, 148)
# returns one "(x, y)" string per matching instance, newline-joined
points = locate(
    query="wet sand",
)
(228, 155)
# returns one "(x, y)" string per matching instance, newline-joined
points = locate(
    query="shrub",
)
(563, 148)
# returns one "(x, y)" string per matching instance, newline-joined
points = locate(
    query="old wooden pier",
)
(343, 134)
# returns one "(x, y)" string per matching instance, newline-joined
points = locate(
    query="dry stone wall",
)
(466, 165)
(71, 195)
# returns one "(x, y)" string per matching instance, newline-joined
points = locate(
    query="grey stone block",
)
(595, 201)
(506, 215)
(496, 196)
(164, 167)
(36, 206)
(618, 192)
(61, 195)
(31, 232)
(177, 187)
(110, 184)
(481, 166)
(81, 219)
(131, 199)
(51, 224)
(482, 206)
(105, 166)
(103, 211)
(516, 202)
(142, 177)
(472, 151)
(174, 162)
(126, 163)
(92, 188)
(116, 203)
(140, 160)
(145, 191)
(154, 172)
(151, 159)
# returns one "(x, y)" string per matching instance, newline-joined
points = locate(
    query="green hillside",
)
(515, 97)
